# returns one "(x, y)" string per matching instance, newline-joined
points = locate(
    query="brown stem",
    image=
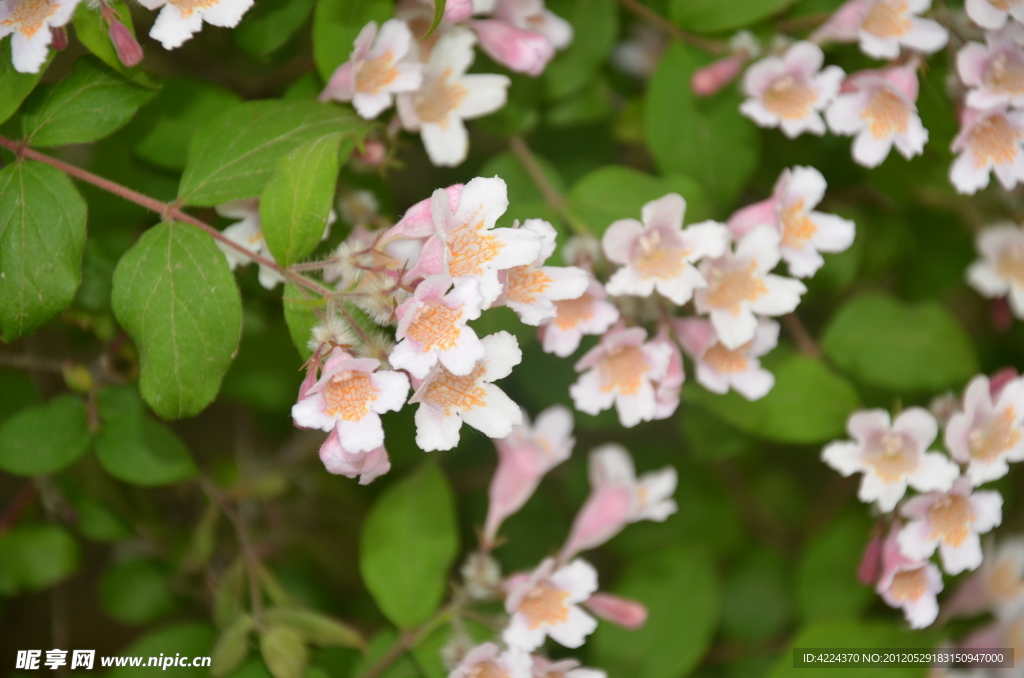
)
(552, 198)
(804, 341)
(410, 639)
(31, 363)
(18, 507)
(802, 23)
(677, 33)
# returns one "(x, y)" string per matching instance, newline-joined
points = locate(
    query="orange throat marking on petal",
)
(456, 394)
(1005, 74)
(545, 605)
(909, 585)
(797, 227)
(725, 361)
(572, 312)
(526, 284)
(1004, 581)
(994, 140)
(790, 98)
(951, 518)
(657, 259)
(471, 247)
(374, 75)
(886, 114)
(729, 288)
(996, 437)
(30, 16)
(349, 395)
(887, 19)
(487, 669)
(890, 458)
(436, 327)
(1010, 264)
(439, 97)
(187, 7)
(623, 370)
(1003, 5)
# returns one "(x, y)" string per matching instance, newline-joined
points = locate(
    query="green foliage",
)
(190, 639)
(756, 597)
(827, 585)
(176, 297)
(14, 86)
(596, 23)
(902, 347)
(136, 591)
(98, 522)
(336, 23)
(35, 557)
(408, 543)
(269, 25)
(46, 439)
(300, 314)
(42, 233)
(232, 646)
(284, 652)
(89, 104)
(92, 31)
(708, 16)
(316, 628)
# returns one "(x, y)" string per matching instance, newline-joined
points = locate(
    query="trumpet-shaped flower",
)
(179, 20)
(658, 253)
(883, 27)
(488, 661)
(995, 71)
(1000, 271)
(988, 141)
(720, 368)
(28, 22)
(909, 584)
(667, 389)
(789, 91)
(892, 455)
(992, 14)
(367, 466)
(740, 287)
(447, 400)
(546, 604)
(589, 313)
(376, 70)
(990, 431)
(628, 614)
(533, 290)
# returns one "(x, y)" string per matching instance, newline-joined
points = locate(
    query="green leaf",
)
(15, 86)
(809, 403)
(614, 192)
(827, 585)
(284, 652)
(679, 588)
(189, 639)
(883, 342)
(316, 628)
(98, 522)
(595, 26)
(300, 315)
(35, 557)
(132, 447)
(45, 439)
(268, 25)
(227, 596)
(705, 138)
(232, 646)
(175, 295)
(336, 23)
(409, 541)
(297, 200)
(709, 16)
(91, 103)
(756, 597)
(136, 591)
(235, 154)
(438, 15)
(42, 235)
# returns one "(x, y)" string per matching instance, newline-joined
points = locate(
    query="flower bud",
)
(60, 38)
(520, 50)
(1000, 379)
(603, 516)
(628, 614)
(871, 562)
(129, 51)
(373, 154)
(713, 77)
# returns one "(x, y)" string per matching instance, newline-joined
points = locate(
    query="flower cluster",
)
(982, 436)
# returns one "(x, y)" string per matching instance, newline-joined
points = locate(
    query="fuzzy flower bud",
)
(129, 51)
(628, 614)
(60, 38)
(716, 75)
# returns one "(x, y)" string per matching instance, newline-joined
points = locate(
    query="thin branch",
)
(675, 32)
(410, 639)
(804, 341)
(802, 23)
(552, 198)
(31, 363)
(18, 507)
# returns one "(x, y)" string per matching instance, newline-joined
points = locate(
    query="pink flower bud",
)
(129, 51)
(60, 38)
(626, 613)
(520, 50)
(871, 563)
(1002, 316)
(603, 516)
(373, 153)
(713, 77)
(458, 10)
(1000, 379)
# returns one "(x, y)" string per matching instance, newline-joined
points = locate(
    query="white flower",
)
(29, 21)
(740, 286)
(994, 72)
(180, 19)
(992, 14)
(621, 370)
(487, 661)
(950, 521)
(988, 140)
(997, 586)
(909, 584)
(886, 25)
(892, 456)
(804, 232)
(1000, 271)
(788, 92)
(563, 668)
(448, 96)
(720, 368)
(590, 313)
(658, 253)
(533, 290)
(376, 70)
(447, 400)
(880, 111)
(987, 435)
(546, 605)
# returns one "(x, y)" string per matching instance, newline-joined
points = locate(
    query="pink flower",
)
(587, 314)
(994, 72)
(534, 16)
(376, 71)
(349, 398)
(891, 456)
(880, 110)
(788, 92)
(29, 21)
(658, 253)
(517, 49)
(621, 371)
(909, 584)
(457, 10)
(992, 14)
(883, 26)
(666, 389)
(740, 287)
(624, 612)
(997, 586)
(563, 668)
(367, 466)
(987, 434)
(804, 232)
(988, 141)
(524, 457)
(1000, 271)
(447, 400)
(487, 661)
(950, 521)
(533, 290)
(418, 221)
(432, 328)
(618, 498)
(720, 368)
(716, 75)
(546, 605)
